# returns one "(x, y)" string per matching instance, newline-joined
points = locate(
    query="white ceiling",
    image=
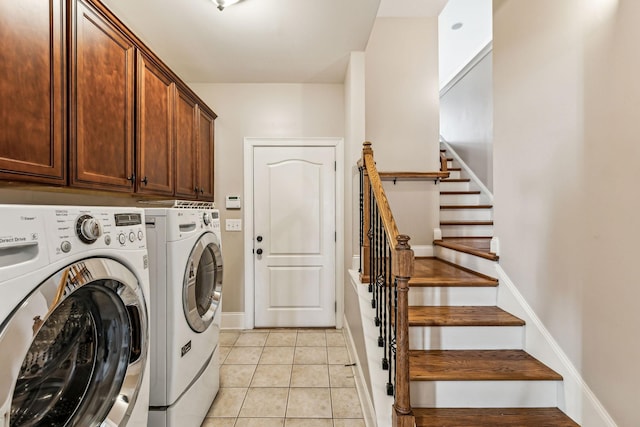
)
(458, 47)
(261, 41)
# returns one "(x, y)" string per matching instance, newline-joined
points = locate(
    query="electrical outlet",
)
(233, 224)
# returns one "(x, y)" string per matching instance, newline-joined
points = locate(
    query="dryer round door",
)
(78, 348)
(202, 285)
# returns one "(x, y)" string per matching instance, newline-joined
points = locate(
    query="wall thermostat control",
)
(233, 202)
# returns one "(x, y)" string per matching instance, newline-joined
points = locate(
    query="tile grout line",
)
(326, 365)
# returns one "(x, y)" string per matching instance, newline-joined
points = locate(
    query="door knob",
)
(259, 251)
(259, 238)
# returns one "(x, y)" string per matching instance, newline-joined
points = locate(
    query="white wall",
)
(402, 104)
(354, 88)
(566, 152)
(466, 119)
(261, 110)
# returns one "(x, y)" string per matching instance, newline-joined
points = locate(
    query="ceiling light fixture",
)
(224, 3)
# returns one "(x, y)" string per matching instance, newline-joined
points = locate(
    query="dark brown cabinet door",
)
(186, 148)
(154, 124)
(32, 91)
(205, 154)
(102, 103)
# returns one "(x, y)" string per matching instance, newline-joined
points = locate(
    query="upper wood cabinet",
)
(101, 102)
(186, 145)
(205, 154)
(194, 148)
(32, 91)
(154, 124)
(86, 103)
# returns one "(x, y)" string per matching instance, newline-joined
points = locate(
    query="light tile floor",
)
(285, 378)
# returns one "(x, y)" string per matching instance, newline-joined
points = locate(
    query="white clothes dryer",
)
(74, 326)
(185, 258)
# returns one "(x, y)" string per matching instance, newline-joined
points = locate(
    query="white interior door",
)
(294, 202)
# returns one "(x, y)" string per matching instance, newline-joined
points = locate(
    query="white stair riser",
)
(466, 230)
(432, 296)
(454, 174)
(466, 214)
(466, 337)
(459, 199)
(454, 186)
(472, 262)
(487, 394)
(450, 164)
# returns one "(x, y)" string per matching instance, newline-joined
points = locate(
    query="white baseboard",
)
(232, 320)
(575, 397)
(368, 411)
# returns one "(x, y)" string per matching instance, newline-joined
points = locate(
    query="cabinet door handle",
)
(201, 191)
(196, 190)
(144, 180)
(131, 178)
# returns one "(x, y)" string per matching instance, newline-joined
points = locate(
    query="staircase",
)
(466, 214)
(466, 360)
(467, 365)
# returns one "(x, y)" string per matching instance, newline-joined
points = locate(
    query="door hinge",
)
(335, 236)
(335, 166)
(335, 306)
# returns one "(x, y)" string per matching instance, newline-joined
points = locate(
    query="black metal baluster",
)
(386, 319)
(376, 259)
(370, 234)
(361, 173)
(380, 279)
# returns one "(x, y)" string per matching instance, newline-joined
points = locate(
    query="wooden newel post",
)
(403, 264)
(366, 242)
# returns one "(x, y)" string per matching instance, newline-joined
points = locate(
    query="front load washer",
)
(185, 259)
(74, 323)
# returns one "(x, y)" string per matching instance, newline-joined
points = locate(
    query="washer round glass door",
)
(83, 359)
(202, 285)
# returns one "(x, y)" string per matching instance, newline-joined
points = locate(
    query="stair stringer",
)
(376, 405)
(575, 397)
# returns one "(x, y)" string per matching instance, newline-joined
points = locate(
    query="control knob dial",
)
(206, 218)
(88, 229)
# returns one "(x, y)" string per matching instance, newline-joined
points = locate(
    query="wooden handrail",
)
(417, 176)
(390, 226)
(443, 163)
(402, 258)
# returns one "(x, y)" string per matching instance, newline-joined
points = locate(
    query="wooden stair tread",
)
(437, 272)
(459, 193)
(461, 316)
(477, 365)
(487, 222)
(478, 246)
(447, 207)
(456, 179)
(491, 417)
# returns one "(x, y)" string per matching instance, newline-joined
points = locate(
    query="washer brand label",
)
(185, 349)
(14, 240)
(27, 218)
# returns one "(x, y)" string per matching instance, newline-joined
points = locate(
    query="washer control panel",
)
(78, 228)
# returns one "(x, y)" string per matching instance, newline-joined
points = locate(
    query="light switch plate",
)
(233, 224)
